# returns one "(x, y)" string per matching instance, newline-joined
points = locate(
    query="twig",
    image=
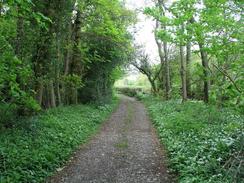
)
(229, 77)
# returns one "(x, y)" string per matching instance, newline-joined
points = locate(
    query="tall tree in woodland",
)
(200, 30)
(188, 60)
(166, 56)
(174, 34)
(181, 39)
(200, 39)
(42, 57)
(185, 12)
(188, 69)
(206, 80)
(48, 56)
(223, 47)
(183, 73)
(76, 61)
(162, 45)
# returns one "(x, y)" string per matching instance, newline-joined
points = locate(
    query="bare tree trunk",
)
(76, 96)
(19, 37)
(59, 94)
(48, 101)
(76, 66)
(167, 74)
(52, 95)
(188, 73)
(164, 60)
(204, 59)
(68, 59)
(154, 88)
(68, 54)
(57, 71)
(40, 93)
(183, 74)
(205, 73)
(160, 52)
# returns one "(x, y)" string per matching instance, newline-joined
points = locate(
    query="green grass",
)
(36, 147)
(204, 144)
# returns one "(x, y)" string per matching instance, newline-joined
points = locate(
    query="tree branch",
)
(229, 77)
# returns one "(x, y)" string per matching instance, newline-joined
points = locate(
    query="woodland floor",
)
(126, 150)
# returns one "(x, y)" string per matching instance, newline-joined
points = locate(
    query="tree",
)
(142, 63)
(214, 27)
(52, 52)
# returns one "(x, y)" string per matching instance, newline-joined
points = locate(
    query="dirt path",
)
(125, 151)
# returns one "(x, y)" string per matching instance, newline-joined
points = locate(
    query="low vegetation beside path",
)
(204, 144)
(36, 147)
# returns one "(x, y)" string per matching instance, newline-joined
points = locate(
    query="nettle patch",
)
(205, 144)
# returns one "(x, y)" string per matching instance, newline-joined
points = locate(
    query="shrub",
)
(8, 115)
(132, 92)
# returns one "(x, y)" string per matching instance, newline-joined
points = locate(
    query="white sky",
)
(143, 30)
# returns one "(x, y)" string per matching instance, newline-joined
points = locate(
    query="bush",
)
(132, 92)
(13, 78)
(8, 115)
(205, 144)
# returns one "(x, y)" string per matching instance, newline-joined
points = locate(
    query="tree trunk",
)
(76, 66)
(57, 69)
(167, 74)
(58, 94)
(68, 58)
(40, 93)
(205, 73)
(68, 53)
(152, 82)
(161, 56)
(188, 73)
(166, 59)
(183, 74)
(52, 95)
(19, 35)
(42, 55)
(76, 96)
(46, 96)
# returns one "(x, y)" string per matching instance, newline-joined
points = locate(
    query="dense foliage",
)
(204, 144)
(59, 52)
(36, 147)
(200, 46)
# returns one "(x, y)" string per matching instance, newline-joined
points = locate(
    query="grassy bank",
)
(36, 147)
(204, 144)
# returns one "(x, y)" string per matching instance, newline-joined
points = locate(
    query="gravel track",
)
(125, 151)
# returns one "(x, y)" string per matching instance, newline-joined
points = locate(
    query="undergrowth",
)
(204, 143)
(34, 148)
